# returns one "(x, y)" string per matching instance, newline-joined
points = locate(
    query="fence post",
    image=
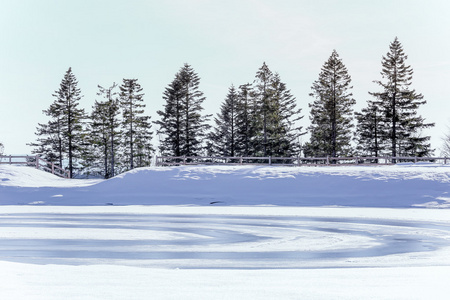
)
(184, 159)
(328, 160)
(240, 160)
(415, 159)
(37, 161)
(270, 160)
(298, 160)
(357, 160)
(10, 160)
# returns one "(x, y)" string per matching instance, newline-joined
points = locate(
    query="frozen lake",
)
(193, 252)
(214, 238)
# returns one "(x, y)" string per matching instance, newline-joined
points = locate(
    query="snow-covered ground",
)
(222, 232)
(422, 185)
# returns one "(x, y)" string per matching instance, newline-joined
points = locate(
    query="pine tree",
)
(49, 144)
(262, 93)
(275, 115)
(284, 115)
(245, 116)
(96, 153)
(136, 127)
(331, 111)
(399, 105)
(112, 112)
(144, 147)
(369, 134)
(224, 136)
(182, 127)
(171, 123)
(62, 136)
(104, 133)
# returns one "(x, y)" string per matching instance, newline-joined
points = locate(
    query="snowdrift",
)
(400, 186)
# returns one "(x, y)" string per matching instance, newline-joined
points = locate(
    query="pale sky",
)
(224, 41)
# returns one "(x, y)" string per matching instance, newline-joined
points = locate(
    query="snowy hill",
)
(409, 185)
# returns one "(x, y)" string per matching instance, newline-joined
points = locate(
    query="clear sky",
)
(224, 41)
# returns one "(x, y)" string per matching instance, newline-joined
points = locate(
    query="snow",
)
(227, 232)
(422, 185)
(118, 282)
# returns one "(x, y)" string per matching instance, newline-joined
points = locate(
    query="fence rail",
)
(35, 161)
(292, 161)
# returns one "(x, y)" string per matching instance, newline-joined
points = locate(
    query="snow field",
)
(54, 282)
(402, 186)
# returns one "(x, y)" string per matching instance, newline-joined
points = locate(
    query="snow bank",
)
(408, 185)
(39, 282)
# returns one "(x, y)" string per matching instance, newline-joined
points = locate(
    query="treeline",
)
(255, 119)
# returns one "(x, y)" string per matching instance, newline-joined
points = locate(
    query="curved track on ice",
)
(217, 241)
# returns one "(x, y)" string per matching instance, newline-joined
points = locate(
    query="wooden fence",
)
(37, 162)
(292, 161)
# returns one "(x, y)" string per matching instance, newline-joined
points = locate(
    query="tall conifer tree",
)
(262, 93)
(332, 111)
(136, 126)
(182, 127)
(284, 129)
(224, 137)
(49, 144)
(369, 133)
(104, 133)
(246, 114)
(399, 105)
(62, 137)
(275, 116)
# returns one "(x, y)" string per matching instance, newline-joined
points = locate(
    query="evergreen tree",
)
(95, 156)
(62, 136)
(49, 144)
(104, 134)
(144, 147)
(111, 112)
(245, 116)
(262, 93)
(224, 135)
(369, 134)
(284, 115)
(399, 106)
(171, 123)
(136, 127)
(274, 116)
(182, 126)
(331, 111)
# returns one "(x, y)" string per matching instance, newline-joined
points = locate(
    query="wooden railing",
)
(292, 161)
(35, 161)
